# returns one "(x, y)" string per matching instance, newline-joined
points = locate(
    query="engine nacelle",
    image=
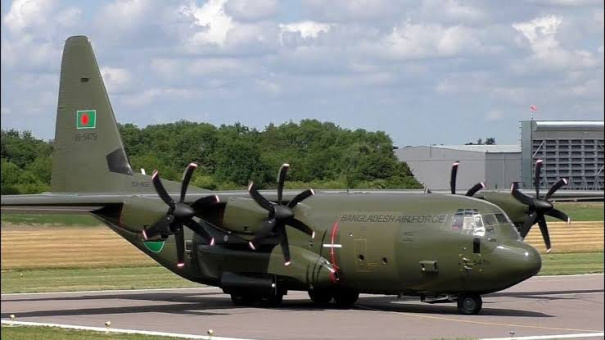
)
(243, 215)
(140, 212)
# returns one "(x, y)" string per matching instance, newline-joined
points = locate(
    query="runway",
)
(555, 305)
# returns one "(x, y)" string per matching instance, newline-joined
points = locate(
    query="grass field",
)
(52, 333)
(581, 211)
(78, 279)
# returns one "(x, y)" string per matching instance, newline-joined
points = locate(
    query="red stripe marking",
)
(332, 254)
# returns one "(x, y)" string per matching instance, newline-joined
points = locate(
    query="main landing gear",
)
(343, 297)
(469, 303)
(251, 299)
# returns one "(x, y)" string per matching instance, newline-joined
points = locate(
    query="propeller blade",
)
(205, 202)
(301, 226)
(555, 187)
(265, 230)
(559, 214)
(186, 178)
(281, 178)
(530, 220)
(472, 191)
(260, 199)
(521, 197)
(300, 197)
(179, 237)
(285, 247)
(537, 177)
(159, 188)
(453, 177)
(198, 229)
(544, 230)
(159, 227)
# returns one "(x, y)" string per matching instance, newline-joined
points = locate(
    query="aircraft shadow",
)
(217, 303)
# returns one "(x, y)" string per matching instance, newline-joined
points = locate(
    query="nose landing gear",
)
(469, 303)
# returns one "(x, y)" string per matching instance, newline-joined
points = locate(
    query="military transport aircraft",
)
(258, 246)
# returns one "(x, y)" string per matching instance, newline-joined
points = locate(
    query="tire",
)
(240, 299)
(469, 304)
(345, 298)
(272, 300)
(320, 297)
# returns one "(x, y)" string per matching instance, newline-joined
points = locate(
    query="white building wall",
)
(432, 165)
(502, 169)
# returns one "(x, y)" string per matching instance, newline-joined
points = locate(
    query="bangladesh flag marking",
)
(86, 119)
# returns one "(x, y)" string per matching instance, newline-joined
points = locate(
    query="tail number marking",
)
(85, 137)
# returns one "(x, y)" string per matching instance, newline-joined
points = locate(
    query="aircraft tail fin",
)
(88, 152)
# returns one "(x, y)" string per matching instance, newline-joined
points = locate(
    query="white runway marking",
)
(556, 336)
(116, 330)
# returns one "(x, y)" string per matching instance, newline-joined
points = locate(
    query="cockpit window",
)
(470, 221)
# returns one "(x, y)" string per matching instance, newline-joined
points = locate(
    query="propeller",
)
(280, 215)
(539, 207)
(453, 175)
(179, 214)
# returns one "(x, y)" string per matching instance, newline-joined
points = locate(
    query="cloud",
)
(212, 22)
(28, 15)
(116, 79)
(303, 29)
(413, 41)
(251, 10)
(348, 10)
(541, 33)
(398, 65)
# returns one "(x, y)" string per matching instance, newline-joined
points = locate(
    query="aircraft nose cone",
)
(532, 261)
(523, 261)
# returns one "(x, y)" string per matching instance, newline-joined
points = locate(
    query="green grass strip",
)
(64, 280)
(55, 333)
(572, 263)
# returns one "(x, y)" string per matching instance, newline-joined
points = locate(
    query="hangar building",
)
(495, 165)
(569, 149)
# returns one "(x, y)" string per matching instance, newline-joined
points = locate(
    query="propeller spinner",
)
(539, 207)
(179, 214)
(280, 215)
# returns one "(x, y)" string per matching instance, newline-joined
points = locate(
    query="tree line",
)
(321, 155)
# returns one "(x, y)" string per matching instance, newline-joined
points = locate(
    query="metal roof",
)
(570, 124)
(482, 148)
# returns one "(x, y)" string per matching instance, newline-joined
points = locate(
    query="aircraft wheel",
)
(345, 298)
(241, 299)
(320, 296)
(272, 300)
(469, 303)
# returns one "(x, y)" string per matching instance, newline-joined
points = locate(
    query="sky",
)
(425, 72)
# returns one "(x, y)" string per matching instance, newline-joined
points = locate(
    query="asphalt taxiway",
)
(553, 306)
